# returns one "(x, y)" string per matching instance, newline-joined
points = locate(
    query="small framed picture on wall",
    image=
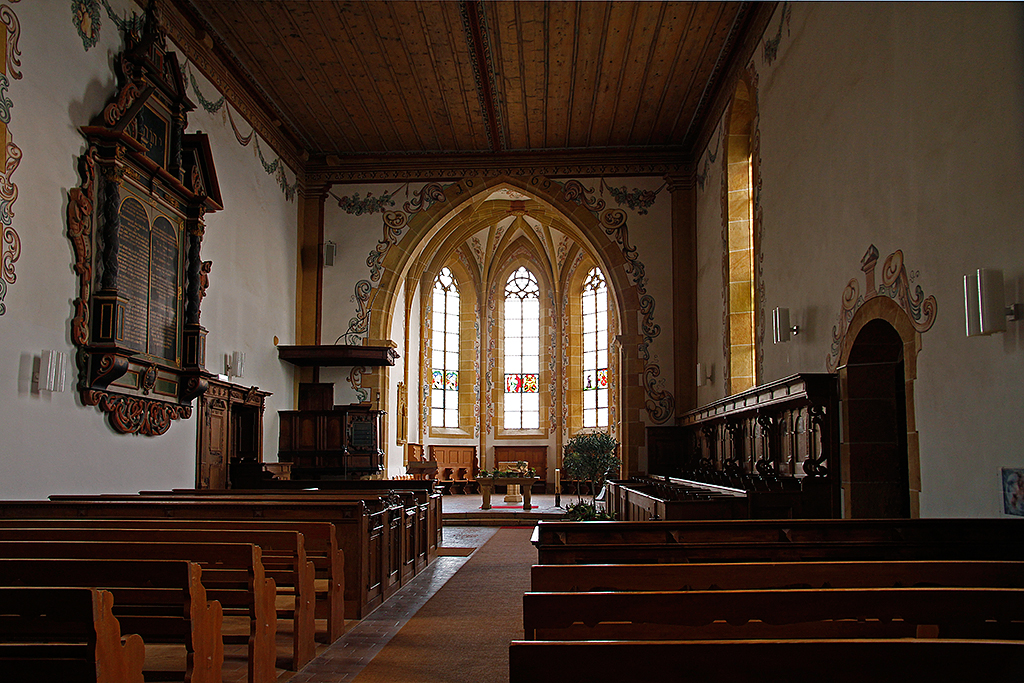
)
(1013, 491)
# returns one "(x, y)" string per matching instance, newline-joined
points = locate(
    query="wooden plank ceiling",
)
(350, 79)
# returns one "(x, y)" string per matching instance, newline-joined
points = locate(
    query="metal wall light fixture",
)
(705, 374)
(985, 304)
(236, 364)
(53, 366)
(781, 329)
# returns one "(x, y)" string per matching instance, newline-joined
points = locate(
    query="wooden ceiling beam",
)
(552, 163)
(482, 67)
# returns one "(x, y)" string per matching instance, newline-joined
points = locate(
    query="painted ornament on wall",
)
(771, 45)
(85, 15)
(395, 223)
(10, 242)
(895, 284)
(660, 402)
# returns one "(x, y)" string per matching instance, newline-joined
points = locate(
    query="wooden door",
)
(214, 441)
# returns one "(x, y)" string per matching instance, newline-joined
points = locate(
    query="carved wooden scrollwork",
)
(767, 464)
(816, 464)
(136, 228)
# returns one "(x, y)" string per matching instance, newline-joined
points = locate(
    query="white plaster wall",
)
(396, 374)
(710, 302)
(50, 443)
(899, 125)
(252, 243)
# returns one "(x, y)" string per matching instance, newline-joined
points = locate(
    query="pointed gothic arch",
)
(600, 232)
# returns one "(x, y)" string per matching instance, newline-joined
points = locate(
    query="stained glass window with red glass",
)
(595, 350)
(522, 351)
(444, 388)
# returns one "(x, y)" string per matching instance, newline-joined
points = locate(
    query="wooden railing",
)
(779, 436)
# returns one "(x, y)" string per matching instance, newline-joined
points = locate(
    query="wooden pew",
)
(65, 634)
(163, 601)
(422, 494)
(390, 561)
(743, 661)
(636, 501)
(362, 536)
(420, 525)
(255, 592)
(321, 546)
(283, 555)
(763, 575)
(777, 540)
(803, 613)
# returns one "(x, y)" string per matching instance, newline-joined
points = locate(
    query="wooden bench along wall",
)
(793, 661)
(457, 467)
(361, 535)
(319, 538)
(802, 613)
(163, 601)
(257, 592)
(760, 575)
(283, 556)
(65, 634)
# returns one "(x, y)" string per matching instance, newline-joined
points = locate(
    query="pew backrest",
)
(802, 613)
(742, 661)
(763, 575)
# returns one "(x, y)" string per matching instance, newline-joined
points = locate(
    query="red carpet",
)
(461, 635)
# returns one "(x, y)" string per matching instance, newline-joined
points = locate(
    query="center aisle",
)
(461, 635)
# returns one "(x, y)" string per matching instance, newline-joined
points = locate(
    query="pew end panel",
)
(62, 634)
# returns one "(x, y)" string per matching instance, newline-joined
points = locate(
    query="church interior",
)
(400, 251)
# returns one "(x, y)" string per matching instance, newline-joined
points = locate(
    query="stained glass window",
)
(522, 351)
(444, 387)
(595, 350)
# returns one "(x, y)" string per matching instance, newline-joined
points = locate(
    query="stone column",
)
(684, 288)
(309, 271)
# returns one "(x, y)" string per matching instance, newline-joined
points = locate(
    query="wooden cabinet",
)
(230, 430)
(343, 441)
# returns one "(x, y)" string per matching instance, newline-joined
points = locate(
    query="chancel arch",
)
(490, 227)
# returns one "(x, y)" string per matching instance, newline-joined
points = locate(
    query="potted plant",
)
(589, 457)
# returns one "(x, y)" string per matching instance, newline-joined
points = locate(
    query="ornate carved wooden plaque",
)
(136, 224)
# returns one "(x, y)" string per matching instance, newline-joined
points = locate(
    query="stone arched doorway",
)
(880, 466)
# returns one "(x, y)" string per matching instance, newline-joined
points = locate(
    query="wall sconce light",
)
(985, 305)
(236, 364)
(705, 374)
(781, 329)
(330, 252)
(53, 367)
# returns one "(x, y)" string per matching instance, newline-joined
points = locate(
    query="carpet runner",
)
(461, 635)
